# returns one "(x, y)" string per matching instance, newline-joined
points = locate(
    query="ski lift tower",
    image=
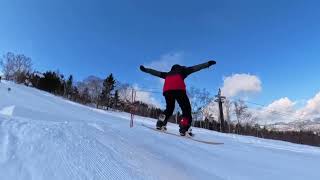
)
(220, 100)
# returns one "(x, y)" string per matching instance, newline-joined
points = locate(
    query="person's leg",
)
(185, 106)
(170, 103)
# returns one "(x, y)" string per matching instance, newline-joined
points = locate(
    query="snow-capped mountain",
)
(274, 121)
(307, 125)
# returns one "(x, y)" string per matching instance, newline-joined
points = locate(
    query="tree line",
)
(108, 93)
(239, 120)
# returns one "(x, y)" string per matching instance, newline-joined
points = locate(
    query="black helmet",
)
(176, 67)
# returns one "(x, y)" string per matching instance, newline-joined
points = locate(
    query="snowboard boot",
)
(162, 117)
(161, 125)
(187, 133)
(185, 127)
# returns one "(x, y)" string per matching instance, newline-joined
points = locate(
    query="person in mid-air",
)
(174, 89)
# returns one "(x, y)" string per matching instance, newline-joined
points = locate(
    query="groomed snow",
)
(43, 137)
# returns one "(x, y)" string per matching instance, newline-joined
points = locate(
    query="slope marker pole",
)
(133, 99)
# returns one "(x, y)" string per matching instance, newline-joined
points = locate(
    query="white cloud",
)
(241, 84)
(147, 98)
(281, 110)
(285, 110)
(283, 105)
(312, 108)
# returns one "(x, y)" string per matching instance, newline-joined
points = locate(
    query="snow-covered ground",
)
(43, 137)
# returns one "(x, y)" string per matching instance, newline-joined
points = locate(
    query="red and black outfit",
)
(174, 89)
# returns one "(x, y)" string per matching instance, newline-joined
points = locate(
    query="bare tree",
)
(199, 99)
(227, 109)
(211, 111)
(240, 108)
(93, 86)
(125, 92)
(243, 114)
(16, 67)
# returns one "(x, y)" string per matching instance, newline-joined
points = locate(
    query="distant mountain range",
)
(307, 125)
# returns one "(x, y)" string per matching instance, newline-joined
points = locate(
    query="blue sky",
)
(277, 41)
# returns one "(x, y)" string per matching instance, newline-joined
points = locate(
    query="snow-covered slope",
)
(43, 137)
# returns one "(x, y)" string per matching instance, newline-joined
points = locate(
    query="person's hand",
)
(212, 63)
(142, 68)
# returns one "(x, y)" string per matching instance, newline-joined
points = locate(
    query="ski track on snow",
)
(47, 137)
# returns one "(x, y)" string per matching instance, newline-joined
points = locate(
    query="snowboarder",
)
(174, 89)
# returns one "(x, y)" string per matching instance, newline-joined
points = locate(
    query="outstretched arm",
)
(153, 72)
(199, 67)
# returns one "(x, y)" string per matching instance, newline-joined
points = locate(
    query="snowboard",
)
(185, 137)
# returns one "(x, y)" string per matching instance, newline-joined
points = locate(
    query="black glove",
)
(212, 63)
(142, 68)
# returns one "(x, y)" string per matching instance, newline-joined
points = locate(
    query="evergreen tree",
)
(51, 82)
(69, 87)
(108, 87)
(116, 99)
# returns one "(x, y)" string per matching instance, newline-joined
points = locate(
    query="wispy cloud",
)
(146, 97)
(141, 95)
(165, 62)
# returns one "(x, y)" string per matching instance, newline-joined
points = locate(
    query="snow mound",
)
(7, 111)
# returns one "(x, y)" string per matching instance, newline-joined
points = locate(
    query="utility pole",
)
(220, 99)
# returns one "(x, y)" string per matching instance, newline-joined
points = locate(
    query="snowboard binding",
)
(161, 125)
(185, 127)
(187, 133)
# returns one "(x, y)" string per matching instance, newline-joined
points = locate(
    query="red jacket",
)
(174, 82)
(174, 79)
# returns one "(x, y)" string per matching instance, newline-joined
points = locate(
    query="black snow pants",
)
(181, 97)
